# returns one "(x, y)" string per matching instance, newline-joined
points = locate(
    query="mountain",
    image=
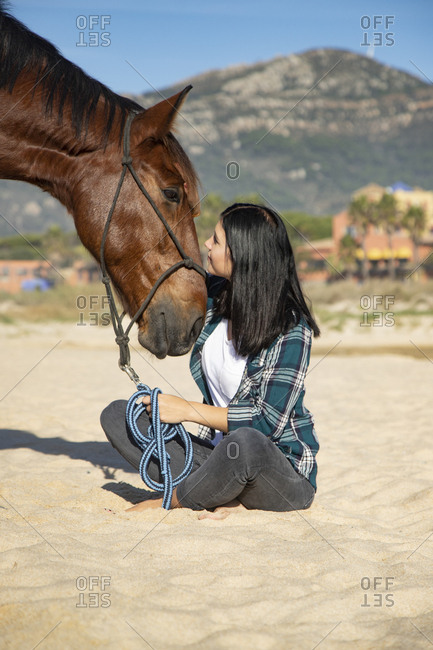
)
(304, 130)
(25, 208)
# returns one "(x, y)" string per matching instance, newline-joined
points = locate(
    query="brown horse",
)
(62, 131)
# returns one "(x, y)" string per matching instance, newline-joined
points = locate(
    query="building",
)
(314, 261)
(321, 259)
(31, 275)
(377, 244)
(83, 272)
(21, 275)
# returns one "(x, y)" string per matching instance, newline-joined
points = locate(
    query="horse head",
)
(65, 137)
(138, 248)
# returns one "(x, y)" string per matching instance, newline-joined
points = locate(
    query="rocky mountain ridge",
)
(304, 130)
(308, 129)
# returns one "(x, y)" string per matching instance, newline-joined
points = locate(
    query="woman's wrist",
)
(194, 413)
(191, 412)
(214, 417)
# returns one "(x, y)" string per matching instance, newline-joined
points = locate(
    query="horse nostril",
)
(196, 329)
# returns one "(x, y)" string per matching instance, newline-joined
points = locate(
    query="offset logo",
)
(92, 591)
(377, 591)
(91, 310)
(376, 31)
(376, 311)
(92, 31)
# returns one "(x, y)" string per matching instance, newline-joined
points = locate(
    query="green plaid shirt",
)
(270, 397)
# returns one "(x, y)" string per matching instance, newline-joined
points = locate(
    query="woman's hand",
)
(175, 409)
(172, 409)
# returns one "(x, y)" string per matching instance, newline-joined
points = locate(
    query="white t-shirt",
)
(222, 367)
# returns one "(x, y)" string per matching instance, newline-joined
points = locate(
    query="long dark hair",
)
(263, 297)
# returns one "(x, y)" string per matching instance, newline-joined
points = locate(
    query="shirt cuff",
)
(240, 415)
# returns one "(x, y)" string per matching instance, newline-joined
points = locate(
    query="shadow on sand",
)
(100, 454)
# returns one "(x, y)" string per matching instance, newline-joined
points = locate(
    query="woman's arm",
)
(267, 405)
(174, 409)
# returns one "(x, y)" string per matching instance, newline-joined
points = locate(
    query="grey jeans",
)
(245, 465)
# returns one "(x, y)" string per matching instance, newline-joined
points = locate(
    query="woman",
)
(249, 362)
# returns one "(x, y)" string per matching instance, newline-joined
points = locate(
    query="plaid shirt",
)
(270, 397)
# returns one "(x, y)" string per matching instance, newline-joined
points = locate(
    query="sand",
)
(78, 571)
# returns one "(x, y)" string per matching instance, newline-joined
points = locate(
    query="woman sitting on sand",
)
(249, 362)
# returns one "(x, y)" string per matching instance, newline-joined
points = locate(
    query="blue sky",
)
(134, 45)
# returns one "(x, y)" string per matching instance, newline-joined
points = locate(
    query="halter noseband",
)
(122, 338)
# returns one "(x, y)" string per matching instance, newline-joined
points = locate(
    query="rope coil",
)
(153, 443)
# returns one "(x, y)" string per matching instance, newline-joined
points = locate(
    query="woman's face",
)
(219, 261)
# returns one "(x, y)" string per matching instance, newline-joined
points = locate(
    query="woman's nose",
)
(208, 243)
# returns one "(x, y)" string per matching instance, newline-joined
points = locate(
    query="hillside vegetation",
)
(302, 132)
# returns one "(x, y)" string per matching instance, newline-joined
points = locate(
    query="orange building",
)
(83, 272)
(314, 260)
(377, 244)
(31, 275)
(319, 260)
(18, 275)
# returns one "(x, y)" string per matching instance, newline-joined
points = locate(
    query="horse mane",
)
(61, 80)
(64, 82)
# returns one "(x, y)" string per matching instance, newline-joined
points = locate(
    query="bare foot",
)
(155, 503)
(222, 512)
(149, 504)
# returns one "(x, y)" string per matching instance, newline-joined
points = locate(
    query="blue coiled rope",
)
(153, 443)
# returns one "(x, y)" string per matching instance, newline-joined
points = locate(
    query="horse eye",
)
(171, 194)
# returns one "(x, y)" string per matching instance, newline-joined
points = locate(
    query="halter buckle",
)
(131, 373)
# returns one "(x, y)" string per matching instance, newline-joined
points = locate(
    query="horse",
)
(62, 131)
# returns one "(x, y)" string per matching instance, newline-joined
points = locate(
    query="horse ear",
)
(157, 121)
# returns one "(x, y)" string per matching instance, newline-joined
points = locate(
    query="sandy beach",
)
(78, 571)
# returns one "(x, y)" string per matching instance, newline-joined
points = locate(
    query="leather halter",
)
(122, 338)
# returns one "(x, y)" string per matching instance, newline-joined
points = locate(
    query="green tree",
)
(62, 248)
(303, 227)
(347, 253)
(55, 245)
(18, 247)
(362, 214)
(249, 198)
(415, 221)
(211, 208)
(389, 217)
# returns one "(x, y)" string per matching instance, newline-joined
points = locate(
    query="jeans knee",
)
(106, 417)
(110, 416)
(244, 441)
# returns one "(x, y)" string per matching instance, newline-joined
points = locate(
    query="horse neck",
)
(37, 149)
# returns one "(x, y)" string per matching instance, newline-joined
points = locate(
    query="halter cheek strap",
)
(122, 335)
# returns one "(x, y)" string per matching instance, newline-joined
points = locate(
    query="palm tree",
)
(361, 212)
(347, 253)
(415, 221)
(389, 217)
